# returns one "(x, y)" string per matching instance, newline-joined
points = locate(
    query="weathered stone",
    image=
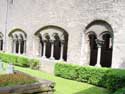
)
(42, 87)
(73, 16)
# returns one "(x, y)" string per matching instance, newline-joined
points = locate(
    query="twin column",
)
(52, 50)
(19, 46)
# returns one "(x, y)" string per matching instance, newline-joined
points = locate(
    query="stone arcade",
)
(84, 32)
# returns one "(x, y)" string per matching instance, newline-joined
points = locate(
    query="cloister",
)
(53, 43)
(87, 33)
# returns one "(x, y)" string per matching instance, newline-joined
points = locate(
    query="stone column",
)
(19, 49)
(52, 49)
(24, 47)
(62, 49)
(110, 42)
(44, 49)
(99, 45)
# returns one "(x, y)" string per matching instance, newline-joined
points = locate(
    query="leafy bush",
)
(35, 64)
(111, 79)
(120, 91)
(65, 71)
(19, 60)
(15, 79)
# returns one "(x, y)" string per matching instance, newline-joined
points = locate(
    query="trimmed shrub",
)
(19, 60)
(92, 75)
(69, 72)
(111, 79)
(120, 91)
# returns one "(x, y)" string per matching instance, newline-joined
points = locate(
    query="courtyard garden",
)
(72, 79)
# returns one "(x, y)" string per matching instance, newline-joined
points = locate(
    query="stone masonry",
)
(71, 15)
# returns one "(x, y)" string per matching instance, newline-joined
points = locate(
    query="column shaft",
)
(19, 49)
(52, 50)
(98, 57)
(44, 49)
(61, 53)
(24, 47)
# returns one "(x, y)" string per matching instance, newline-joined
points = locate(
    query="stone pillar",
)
(52, 49)
(19, 49)
(99, 45)
(110, 42)
(24, 49)
(62, 49)
(98, 57)
(40, 48)
(44, 49)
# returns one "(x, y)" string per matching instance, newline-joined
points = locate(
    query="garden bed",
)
(21, 83)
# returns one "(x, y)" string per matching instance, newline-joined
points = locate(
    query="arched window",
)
(53, 42)
(1, 41)
(100, 36)
(18, 41)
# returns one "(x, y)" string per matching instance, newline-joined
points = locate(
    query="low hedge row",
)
(111, 79)
(120, 91)
(19, 60)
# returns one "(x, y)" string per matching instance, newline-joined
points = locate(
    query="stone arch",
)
(19, 30)
(99, 22)
(101, 29)
(1, 41)
(55, 42)
(18, 37)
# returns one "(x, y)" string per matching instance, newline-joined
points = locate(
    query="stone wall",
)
(71, 15)
(43, 87)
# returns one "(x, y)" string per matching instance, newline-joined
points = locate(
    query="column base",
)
(43, 57)
(61, 60)
(52, 58)
(98, 65)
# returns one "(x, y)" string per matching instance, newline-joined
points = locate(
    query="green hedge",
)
(111, 79)
(19, 60)
(120, 91)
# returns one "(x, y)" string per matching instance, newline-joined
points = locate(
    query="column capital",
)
(99, 42)
(62, 41)
(52, 41)
(44, 41)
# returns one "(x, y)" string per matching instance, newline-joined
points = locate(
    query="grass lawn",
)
(64, 86)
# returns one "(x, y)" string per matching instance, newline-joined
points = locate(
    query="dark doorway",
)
(48, 49)
(17, 46)
(57, 47)
(106, 51)
(22, 47)
(93, 49)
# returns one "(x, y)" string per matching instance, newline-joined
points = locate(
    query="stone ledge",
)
(40, 87)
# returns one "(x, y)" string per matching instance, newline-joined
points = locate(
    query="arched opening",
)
(93, 48)
(48, 46)
(1, 41)
(18, 37)
(53, 42)
(100, 36)
(57, 46)
(106, 54)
